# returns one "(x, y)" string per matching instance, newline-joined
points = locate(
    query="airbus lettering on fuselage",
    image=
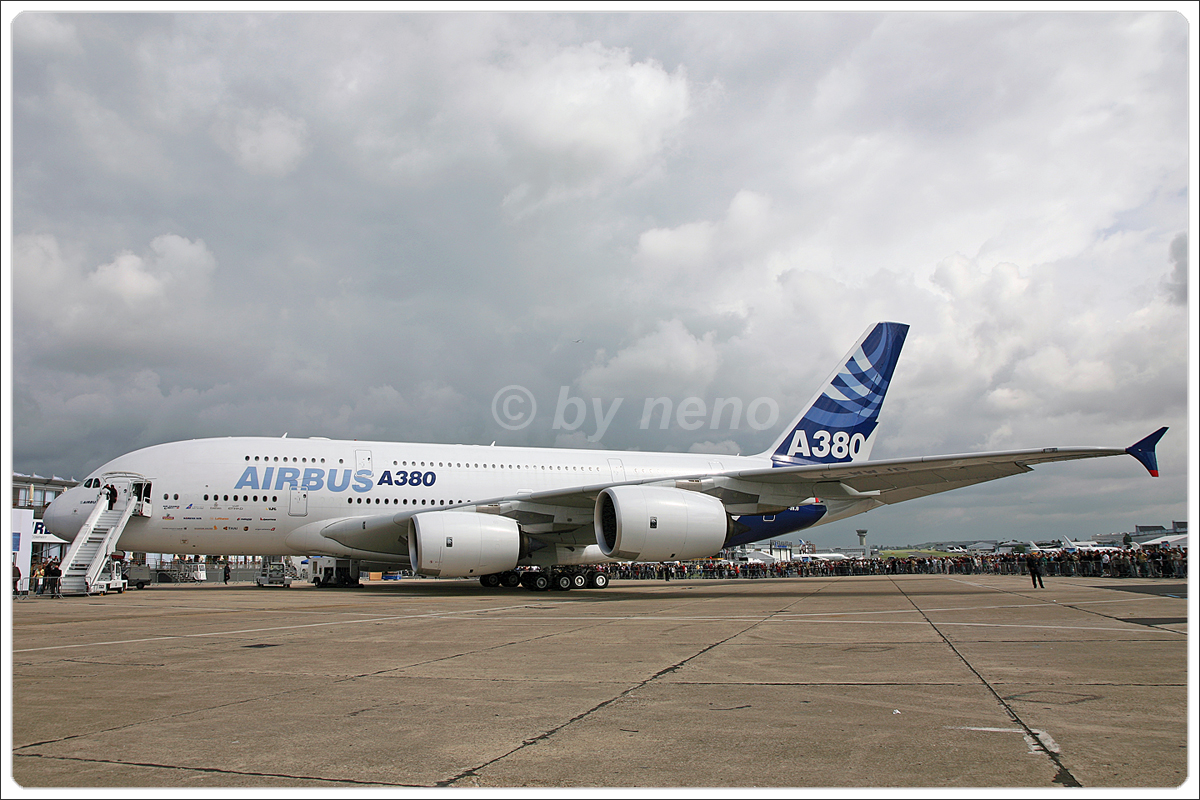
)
(313, 479)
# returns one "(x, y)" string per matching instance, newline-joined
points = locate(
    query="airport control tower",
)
(862, 542)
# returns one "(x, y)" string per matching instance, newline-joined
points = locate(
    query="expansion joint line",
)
(474, 771)
(1064, 775)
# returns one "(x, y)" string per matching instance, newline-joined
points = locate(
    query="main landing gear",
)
(561, 580)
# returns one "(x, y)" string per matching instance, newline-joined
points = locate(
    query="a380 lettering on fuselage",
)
(312, 479)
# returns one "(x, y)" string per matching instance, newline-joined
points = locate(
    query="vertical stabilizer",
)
(839, 423)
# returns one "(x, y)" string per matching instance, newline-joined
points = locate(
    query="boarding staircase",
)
(84, 565)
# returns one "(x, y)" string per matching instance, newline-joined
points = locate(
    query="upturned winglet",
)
(1143, 451)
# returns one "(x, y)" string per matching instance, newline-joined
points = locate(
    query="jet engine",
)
(462, 544)
(656, 523)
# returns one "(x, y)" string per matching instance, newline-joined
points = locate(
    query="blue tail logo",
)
(839, 423)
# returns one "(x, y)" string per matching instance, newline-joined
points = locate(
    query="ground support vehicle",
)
(138, 575)
(330, 571)
(273, 573)
(110, 579)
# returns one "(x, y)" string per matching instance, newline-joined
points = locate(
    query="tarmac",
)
(872, 682)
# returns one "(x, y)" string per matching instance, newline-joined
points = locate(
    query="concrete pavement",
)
(874, 681)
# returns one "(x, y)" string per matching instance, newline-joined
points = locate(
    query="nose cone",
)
(66, 514)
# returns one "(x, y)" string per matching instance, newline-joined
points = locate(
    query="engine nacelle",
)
(656, 523)
(462, 544)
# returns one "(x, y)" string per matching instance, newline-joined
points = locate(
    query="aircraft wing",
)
(897, 480)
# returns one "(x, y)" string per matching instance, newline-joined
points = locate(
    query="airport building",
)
(34, 493)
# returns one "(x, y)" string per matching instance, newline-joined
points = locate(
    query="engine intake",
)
(462, 544)
(656, 523)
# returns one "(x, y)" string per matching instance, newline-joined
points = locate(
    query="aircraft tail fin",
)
(839, 422)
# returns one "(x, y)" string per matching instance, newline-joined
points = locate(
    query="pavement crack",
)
(1063, 776)
(545, 735)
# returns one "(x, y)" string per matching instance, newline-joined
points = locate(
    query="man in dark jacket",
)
(1033, 562)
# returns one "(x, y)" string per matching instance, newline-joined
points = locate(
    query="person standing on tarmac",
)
(1033, 562)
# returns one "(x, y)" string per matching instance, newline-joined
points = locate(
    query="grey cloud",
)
(1176, 283)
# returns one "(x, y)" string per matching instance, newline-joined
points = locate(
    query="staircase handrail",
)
(85, 531)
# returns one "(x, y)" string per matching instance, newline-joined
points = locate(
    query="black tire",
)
(510, 579)
(579, 580)
(141, 584)
(562, 582)
(540, 582)
(490, 581)
(598, 580)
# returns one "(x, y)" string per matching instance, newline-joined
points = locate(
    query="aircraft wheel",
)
(579, 580)
(563, 582)
(510, 579)
(598, 580)
(490, 581)
(540, 582)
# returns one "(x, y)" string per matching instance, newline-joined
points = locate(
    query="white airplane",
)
(1090, 547)
(822, 557)
(476, 511)
(1050, 551)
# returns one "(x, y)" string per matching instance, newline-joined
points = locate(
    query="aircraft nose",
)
(64, 516)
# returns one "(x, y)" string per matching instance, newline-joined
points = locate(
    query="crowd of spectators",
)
(1147, 563)
(45, 577)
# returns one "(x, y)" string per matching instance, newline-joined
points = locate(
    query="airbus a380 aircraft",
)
(473, 511)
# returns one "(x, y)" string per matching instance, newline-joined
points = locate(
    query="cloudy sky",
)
(367, 225)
